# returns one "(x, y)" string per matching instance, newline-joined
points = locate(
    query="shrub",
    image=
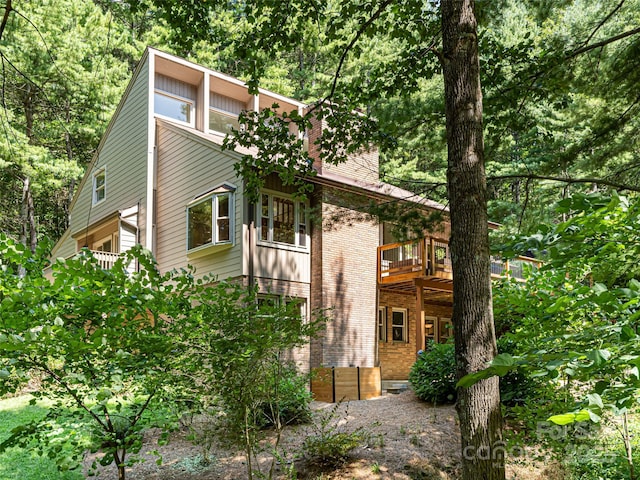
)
(290, 402)
(433, 375)
(329, 442)
(517, 387)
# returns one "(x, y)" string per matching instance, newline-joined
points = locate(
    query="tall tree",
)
(479, 405)
(63, 73)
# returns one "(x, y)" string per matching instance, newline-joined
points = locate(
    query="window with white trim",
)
(210, 219)
(99, 185)
(282, 220)
(399, 324)
(174, 107)
(382, 324)
(294, 305)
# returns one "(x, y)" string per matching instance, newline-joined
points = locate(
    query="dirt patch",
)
(405, 439)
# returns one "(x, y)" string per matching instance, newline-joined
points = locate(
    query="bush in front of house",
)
(433, 375)
(289, 400)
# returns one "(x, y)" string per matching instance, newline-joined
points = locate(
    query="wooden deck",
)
(404, 267)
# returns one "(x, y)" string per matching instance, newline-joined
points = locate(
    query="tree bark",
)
(29, 234)
(478, 406)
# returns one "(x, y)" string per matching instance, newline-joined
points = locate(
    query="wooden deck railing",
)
(105, 259)
(399, 262)
(514, 268)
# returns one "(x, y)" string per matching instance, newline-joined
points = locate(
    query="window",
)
(174, 107)
(223, 113)
(210, 219)
(222, 122)
(382, 324)
(104, 245)
(282, 220)
(445, 329)
(99, 185)
(399, 324)
(430, 324)
(297, 307)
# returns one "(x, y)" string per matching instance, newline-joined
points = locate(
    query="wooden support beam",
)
(420, 341)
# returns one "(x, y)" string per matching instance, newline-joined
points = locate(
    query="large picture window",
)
(99, 185)
(282, 220)
(210, 219)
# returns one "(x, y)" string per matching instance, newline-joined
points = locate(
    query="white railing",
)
(106, 259)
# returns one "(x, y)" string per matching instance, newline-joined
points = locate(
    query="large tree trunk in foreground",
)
(478, 406)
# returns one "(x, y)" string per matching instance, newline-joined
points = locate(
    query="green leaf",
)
(568, 418)
(598, 357)
(599, 288)
(595, 399)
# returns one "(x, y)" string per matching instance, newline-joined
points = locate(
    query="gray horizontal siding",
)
(226, 103)
(187, 167)
(124, 154)
(176, 87)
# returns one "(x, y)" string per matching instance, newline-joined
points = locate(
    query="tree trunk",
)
(478, 406)
(28, 235)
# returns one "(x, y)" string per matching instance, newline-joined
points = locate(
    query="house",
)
(161, 179)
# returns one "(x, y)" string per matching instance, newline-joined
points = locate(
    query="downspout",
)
(151, 159)
(251, 222)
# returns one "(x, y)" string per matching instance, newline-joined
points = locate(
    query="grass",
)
(22, 463)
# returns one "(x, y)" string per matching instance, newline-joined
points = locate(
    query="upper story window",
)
(173, 107)
(174, 99)
(99, 185)
(282, 220)
(210, 219)
(223, 113)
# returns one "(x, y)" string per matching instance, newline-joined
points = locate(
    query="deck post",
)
(420, 341)
(432, 255)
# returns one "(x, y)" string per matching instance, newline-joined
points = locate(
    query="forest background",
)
(559, 81)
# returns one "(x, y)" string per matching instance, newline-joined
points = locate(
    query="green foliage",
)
(328, 441)
(516, 387)
(292, 402)
(17, 462)
(433, 375)
(60, 85)
(575, 322)
(98, 339)
(236, 349)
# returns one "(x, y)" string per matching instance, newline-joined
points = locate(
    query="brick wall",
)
(396, 358)
(363, 165)
(317, 297)
(346, 275)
